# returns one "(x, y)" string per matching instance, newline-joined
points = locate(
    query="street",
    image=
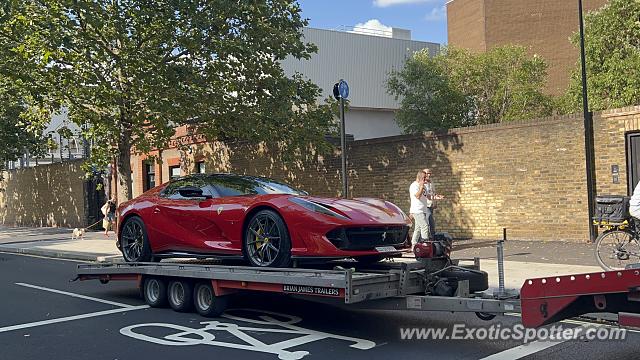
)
(46, 315)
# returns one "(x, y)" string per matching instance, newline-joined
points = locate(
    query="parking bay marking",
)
(122, 308)
(76, 295)
(70, 318)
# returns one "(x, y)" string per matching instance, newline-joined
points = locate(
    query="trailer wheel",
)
(179, 295)
(154, 291)
(206, 302)
(478, 280)
(485, 316)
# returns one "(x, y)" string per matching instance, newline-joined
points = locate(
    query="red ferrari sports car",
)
(266, 222)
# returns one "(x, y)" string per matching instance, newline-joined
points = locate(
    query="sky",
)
(427, 19)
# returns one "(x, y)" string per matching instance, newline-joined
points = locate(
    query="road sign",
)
(341, 90)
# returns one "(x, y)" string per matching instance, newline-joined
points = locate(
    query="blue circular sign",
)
(343, 89)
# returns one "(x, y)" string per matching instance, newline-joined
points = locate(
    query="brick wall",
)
(46, 195)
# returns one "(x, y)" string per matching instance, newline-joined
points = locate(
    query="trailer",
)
(405, 285)
(206, 287)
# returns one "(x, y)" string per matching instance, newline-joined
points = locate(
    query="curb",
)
(68, 255)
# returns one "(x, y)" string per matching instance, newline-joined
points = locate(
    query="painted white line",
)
(523, 350)
(76, 295)
(70, 318)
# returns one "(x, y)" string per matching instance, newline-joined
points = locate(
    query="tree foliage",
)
(134, 70)
(457, 88)
(19, 133)
(612, 52)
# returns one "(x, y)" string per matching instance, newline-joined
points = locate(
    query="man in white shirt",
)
(418, 208)
(431, 195)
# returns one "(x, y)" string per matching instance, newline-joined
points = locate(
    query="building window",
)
(174, 172)
(200, 168)
(149, 175)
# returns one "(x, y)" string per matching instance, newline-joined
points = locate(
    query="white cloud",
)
(386, 3)
(373, 27)
(437, 14)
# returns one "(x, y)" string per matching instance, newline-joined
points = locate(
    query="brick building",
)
(544, 26)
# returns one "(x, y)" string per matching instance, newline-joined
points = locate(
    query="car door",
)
(184, 224)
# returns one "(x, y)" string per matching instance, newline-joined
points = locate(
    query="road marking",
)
(523, 350)
(70, 318)
(249, 335)
(76, 295)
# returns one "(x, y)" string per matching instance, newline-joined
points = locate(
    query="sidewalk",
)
(57, 243)
(523, 259)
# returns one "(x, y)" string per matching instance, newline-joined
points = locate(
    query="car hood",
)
(364, 210)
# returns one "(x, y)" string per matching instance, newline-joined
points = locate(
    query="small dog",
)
(78, 234)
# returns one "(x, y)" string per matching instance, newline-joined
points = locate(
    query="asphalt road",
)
(44, 316)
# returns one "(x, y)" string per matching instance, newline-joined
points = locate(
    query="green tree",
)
(612, 51)
(17, 134)
(134, 70)
(429, 97)
(458, 88)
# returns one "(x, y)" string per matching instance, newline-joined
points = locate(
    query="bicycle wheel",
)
(616, 249)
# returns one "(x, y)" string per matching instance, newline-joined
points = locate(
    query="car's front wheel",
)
(266, 240)
(134, 241)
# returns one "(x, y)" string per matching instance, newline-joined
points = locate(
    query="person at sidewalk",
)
(418, 207)
(634, 205)
(109, 212)
(431, 196)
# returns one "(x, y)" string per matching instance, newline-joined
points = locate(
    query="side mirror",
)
(192, 192)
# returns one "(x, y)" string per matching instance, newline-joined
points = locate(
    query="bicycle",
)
(618, 246)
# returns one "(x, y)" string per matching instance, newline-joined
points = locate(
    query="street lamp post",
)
(588, 130)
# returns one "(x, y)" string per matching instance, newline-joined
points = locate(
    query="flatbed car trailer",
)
(390, 286)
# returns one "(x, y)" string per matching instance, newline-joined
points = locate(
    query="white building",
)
(364, 62)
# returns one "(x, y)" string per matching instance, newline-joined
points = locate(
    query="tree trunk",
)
(124, 167)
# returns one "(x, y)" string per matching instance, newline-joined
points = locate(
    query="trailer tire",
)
(154, 292)
(180, 295)
(478, 280)
(206, 302)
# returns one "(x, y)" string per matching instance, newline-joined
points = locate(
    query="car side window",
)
(234, 186)
(171, 191)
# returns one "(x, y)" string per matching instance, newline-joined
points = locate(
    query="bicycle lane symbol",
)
(186, 336)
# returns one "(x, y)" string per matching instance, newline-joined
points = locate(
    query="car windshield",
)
(235, 185)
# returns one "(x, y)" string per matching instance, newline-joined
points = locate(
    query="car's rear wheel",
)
(134, 241)
(266, 240)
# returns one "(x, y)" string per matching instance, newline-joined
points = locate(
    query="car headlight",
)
(315, 207)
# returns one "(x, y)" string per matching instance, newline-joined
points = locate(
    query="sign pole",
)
(343, 146)
(341, 92)
(588, 131)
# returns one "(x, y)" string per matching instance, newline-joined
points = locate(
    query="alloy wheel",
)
(263, 240)
(132, 240)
